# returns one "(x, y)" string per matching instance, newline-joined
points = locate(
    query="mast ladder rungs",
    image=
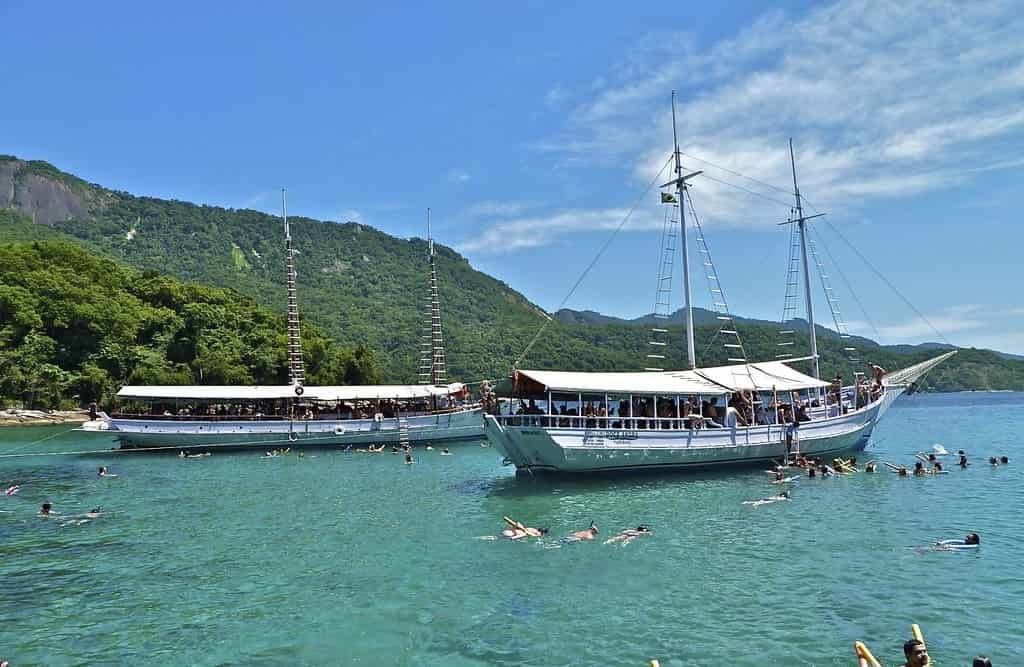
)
(733, 346)
(723, 317)
(660, 330)
(729, 331)
(654, 342)
(788, 342)
(655, 356)
(739, 359)
(654, 369)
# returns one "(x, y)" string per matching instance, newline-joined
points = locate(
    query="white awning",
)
(207, 392)
(667, 383)
(717, 380)
(383, 391)
(763, 376)
(261, 393)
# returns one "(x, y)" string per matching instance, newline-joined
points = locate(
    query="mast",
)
(681, 186)
(432, 364)
(801, 222)
(296, 368)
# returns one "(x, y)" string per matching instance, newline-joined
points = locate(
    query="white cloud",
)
(498, 209)
(883, 100)
(458, 176)
(351, 215)
(531, 232)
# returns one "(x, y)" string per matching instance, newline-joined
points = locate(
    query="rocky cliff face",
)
(43, 193)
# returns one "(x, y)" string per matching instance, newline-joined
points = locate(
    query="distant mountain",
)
(361, 286)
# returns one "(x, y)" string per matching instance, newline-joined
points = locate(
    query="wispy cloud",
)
(533, 231)
(351, 215)
(883, 99)
(458, 176)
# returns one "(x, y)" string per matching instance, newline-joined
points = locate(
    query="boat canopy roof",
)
(270, 392)
(396, 391)
(766, 376)
(762, 376)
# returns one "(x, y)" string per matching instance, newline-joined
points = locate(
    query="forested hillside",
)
(362, 287)
(74, 327)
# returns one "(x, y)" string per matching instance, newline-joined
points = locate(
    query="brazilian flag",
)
(668, 198)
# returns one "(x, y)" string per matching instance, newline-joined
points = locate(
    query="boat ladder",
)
(403, 432)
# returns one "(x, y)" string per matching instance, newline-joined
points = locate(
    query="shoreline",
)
(40, 418)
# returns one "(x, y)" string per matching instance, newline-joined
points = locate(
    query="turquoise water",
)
(358, 559)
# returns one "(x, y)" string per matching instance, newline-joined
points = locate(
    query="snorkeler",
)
(769, 500)
(587, 534)
(629, 534)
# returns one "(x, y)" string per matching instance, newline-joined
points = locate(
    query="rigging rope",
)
(882, 277)
(593, 262)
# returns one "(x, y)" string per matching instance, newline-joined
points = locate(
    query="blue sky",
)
(532, 128)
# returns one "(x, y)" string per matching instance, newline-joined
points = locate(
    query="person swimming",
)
(1004, 460)
(629, 534)
(587, 534)
(901, 471)
(517, 530)
(919, 469)
(970, 541)
(46, 510)
(408, 459)
(811, 471)
(181, 454)
(93, 513)
(963, 459)
(768, 501)
(937, 468)
(993, 461)
(445, 452)
(870, 466)
(104, 473)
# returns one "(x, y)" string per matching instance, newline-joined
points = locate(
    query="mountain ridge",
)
(362, 286)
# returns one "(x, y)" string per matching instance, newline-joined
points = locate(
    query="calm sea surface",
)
(345, 558)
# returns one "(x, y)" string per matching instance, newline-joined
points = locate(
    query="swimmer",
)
(516, 526)
(46, 510)
(919, 469)
(429, 448)
(103, 472)
(778, 477)
(769, 500)
(12, 490)
(94, 513)
(937, 468)
(963, 460)
(587, 534)
(971, 541)
(408, 459)
(916, 654)
(629, 534)
(181, 454)
(785, 480)
(870, 466)
(980, 661)
(1004, 460)
(811, 473)
(445, 452)
(993, 461)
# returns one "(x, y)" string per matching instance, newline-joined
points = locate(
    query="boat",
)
(742, 413)
(205, 416)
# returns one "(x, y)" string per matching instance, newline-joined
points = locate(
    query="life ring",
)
(299, 390)
(292, 436)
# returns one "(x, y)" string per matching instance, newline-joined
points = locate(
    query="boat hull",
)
(165, 434)
(580, 450)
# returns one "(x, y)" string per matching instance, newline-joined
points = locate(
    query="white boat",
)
(205, 416)
(657, 419)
